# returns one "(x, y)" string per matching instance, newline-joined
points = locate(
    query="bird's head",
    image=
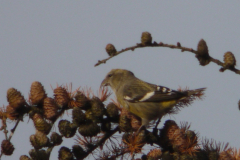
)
(115, 77)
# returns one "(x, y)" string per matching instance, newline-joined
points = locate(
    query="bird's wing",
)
(150, 93)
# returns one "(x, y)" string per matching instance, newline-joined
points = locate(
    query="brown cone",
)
(82, 100)
(97, 107)
(135, 122)
(24, 157)
(202, 48)
(78, 151)
(15, 98)
(78, 116)
(66, 128)
(202, 53)
(7, 148)
(65, 153)
(226, 155)
(125, 123)
(229, 60)
(89, 129)
(155, 154)
(40, 124)
(61, 97)
(110, 49)
(112, 111)
(125, 120)
(37, 93)
(39, 140)
(146, 38)
(50, 109)
(56, 139)
(38, 154)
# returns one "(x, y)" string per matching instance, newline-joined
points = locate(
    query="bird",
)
(145, 100)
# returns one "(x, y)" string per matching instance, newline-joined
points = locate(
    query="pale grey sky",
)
(60, 41)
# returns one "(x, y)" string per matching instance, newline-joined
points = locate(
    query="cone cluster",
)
(89, 117)
(181, 140)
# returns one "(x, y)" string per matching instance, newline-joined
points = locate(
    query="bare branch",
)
(178, 46)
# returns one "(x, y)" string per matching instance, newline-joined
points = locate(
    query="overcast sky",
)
(60, 41)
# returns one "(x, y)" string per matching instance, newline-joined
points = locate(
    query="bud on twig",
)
(179, 44)
(239, 104)
(110, 49)
(202, 48)
(229, 60)
(146, 38)
(202, 53)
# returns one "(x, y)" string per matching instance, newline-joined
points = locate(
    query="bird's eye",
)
(110, 75)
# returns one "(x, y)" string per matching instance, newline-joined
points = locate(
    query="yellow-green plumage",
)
(151, 111)
(147, 101)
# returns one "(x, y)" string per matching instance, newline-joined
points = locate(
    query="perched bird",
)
(145, 100)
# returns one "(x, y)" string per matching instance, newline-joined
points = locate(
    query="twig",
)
(4, 127)
(49, 151)
(13, 130)
(155, 128)
(155, 44)
(102, 140)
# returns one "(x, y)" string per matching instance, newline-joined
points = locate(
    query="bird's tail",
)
(190, 96)
(196, 92)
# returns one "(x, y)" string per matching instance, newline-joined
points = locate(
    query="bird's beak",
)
(104, 83)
